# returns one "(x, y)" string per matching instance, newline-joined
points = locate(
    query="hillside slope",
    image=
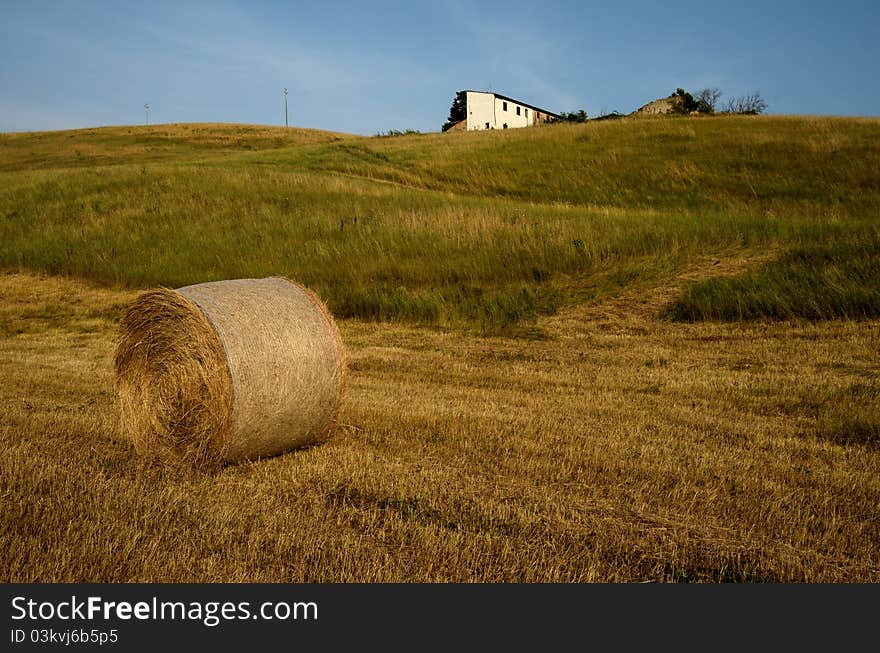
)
(132, 144)
(485, 229)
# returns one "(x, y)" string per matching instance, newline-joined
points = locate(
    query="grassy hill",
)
(135, 144)
(486, 229)
(475, 228)
(576, 353)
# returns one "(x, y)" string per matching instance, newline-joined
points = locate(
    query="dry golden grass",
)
(617, 448)
(124, 144)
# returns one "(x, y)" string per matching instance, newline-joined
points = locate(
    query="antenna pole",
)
(147, 114)
(285, 107)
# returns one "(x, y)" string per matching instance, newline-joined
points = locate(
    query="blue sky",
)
(374, 66)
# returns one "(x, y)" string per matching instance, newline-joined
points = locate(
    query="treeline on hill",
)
(706, 101)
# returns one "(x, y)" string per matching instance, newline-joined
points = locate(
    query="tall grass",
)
(772, 165)
(836, 278)
(372, 250)
(78, 148)
(487, 229)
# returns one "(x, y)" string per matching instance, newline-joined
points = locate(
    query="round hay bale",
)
(227, 371)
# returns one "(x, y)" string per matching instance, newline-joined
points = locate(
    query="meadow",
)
(480, 230)
(621, 351)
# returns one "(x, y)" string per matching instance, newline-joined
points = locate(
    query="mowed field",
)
(620, 351)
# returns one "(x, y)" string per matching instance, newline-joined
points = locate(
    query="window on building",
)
(505, 125)
(504, 106)
(517, 111)
(487, 125)
(527, 113)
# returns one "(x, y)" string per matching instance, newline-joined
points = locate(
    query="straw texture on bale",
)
(227, 371)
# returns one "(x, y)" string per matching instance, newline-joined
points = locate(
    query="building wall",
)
(480, 110)
(509, 116)
(486, 111)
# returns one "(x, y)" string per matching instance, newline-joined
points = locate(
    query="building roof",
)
(510, 99)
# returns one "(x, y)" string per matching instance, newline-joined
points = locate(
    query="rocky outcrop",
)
(661, 107)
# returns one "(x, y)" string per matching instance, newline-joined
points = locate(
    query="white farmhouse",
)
(493, 111)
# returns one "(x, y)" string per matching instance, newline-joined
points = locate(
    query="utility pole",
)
(147, 114)
(285, 107)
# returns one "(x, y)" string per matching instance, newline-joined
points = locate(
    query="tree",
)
(707, 99)
(604, 114)
(684, 102)
(749, 105)
(573, 116)
(458, 110)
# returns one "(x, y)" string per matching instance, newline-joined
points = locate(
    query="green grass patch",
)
(371, 250)
(484, 230)
(839, 278)
(772, 166)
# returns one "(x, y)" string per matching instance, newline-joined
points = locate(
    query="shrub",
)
(574, 116)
